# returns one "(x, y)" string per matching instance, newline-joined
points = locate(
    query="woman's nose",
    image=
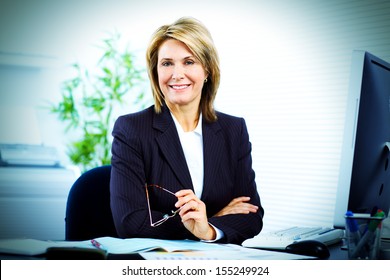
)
(178, 73)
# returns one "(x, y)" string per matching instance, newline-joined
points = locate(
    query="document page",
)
(132, 245)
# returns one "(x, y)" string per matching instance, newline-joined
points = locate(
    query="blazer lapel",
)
(213, 144)
(170, 146)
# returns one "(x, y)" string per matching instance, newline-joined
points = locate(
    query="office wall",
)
(285, 68)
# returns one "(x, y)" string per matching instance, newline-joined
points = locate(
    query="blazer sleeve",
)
(239, 227)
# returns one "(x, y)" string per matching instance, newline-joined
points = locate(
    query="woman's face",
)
(180, 75)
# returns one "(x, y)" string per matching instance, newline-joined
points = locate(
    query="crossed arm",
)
(194, 217)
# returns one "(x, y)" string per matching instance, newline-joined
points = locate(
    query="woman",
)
(180, 156)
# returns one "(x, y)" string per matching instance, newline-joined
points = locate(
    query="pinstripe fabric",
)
(146, 148)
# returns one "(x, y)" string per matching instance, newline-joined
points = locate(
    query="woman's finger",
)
(184, 197)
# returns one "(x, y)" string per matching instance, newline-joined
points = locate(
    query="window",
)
(288, 76)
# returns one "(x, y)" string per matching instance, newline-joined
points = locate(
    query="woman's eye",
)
(166, 63)
(189, 62)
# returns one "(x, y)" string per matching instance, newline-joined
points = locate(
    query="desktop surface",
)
(337, 252)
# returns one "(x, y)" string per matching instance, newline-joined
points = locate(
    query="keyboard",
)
(280, 239)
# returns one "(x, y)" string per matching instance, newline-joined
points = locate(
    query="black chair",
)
(88, 212)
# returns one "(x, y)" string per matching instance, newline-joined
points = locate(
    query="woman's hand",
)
(193, 215)
(238, 205)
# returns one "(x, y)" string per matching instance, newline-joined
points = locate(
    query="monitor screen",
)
(364, 179)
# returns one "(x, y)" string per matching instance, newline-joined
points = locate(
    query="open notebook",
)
(148, 248)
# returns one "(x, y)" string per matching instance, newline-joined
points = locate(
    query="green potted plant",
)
(88, 101)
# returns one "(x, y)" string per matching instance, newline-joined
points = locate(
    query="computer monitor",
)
(364, 179)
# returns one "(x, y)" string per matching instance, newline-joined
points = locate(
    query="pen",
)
(372, 226)
(353, 227)
(96, 244)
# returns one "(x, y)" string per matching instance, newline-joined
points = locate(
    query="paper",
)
(160, 249)
(135, 245)
(231, 252)
(150, 249)
(112, 245)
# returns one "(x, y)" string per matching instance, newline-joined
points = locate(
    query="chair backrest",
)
(88, 212)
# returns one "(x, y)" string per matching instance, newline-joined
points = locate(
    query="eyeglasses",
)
(166, 216)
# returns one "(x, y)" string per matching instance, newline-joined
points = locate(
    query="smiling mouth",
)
(178, 87)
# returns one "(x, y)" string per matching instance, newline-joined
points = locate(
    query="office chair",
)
(88, 212)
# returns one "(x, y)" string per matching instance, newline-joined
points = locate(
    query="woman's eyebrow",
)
(184, 58)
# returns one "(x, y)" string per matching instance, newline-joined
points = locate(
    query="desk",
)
(336, 253)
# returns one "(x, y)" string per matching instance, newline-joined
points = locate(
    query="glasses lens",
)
(159, 198)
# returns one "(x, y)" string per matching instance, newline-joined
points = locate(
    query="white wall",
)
(285, 68)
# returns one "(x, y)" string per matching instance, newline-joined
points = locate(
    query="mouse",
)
(312, 248)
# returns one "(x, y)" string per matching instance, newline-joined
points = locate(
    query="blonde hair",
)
(198, 39)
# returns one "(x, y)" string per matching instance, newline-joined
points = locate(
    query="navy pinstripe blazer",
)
(146, 149)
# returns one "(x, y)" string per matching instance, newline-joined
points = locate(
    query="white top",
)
(192, 143)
